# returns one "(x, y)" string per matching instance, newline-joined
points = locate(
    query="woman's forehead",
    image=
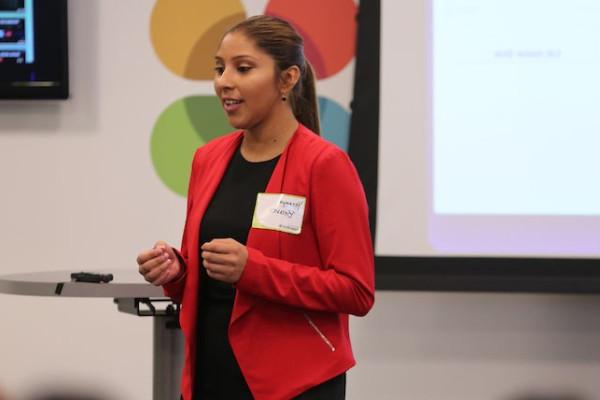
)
(238, 45)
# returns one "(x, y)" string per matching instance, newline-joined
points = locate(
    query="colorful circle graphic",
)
(184, 126)
(185, 33)
(328, 28)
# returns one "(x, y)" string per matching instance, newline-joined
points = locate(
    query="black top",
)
(229, 215)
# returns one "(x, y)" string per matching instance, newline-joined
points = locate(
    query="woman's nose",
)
(224, 80)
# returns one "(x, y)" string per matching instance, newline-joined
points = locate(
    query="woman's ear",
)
(289, 78)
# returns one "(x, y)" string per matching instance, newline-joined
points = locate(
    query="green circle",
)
(180, 129)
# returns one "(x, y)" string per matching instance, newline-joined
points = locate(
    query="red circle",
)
(328, 28)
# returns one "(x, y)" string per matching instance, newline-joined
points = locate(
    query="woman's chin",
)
(237, 124)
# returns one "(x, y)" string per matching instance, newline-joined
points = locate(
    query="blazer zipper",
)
(316, 329)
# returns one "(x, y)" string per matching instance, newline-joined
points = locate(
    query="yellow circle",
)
(185, 33)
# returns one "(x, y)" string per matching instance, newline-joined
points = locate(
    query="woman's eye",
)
(244, 69)
(219, 70)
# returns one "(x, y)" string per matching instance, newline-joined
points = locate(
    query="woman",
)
(276, 250)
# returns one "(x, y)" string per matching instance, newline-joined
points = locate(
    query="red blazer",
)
(289, 324)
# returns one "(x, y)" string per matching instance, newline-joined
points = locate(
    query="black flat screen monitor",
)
(33, 49)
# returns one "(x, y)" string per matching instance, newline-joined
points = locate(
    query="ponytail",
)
(304, 100)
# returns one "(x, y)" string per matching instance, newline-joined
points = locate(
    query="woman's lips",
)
(232, 105)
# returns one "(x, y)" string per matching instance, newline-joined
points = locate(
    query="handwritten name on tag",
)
(279, 212)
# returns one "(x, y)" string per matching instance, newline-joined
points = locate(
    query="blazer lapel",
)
(205, 191)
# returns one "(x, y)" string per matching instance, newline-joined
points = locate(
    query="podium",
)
(132, 295)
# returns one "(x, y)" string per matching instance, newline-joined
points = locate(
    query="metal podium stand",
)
(133, 296)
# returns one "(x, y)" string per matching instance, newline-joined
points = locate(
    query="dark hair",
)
(281, 41)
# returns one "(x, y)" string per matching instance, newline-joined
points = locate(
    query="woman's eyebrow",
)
(240, 56)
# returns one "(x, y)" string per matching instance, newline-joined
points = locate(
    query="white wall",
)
(457, 346)
(79, 192)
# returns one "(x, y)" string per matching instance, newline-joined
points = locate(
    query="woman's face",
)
(245, 81)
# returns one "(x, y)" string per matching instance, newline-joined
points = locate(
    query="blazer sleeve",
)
(344, 283)
(174, 289)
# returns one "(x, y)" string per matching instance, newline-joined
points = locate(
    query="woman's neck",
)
(269, 139)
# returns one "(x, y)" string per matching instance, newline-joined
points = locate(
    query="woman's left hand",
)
(224, 259)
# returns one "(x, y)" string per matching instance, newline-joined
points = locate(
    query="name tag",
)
(279, 212)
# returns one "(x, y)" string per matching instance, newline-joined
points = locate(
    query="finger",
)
(147, 255)
(224, 241)
(172, 253)
(218, 276)
(220, 245)
(219, 258)
(161, 244)
(168, 274)
(153, 274)
(151, 264)
(217, 268)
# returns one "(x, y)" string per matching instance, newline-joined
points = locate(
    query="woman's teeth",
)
(231, 105)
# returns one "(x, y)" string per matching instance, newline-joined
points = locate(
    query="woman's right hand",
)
(160, 264)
